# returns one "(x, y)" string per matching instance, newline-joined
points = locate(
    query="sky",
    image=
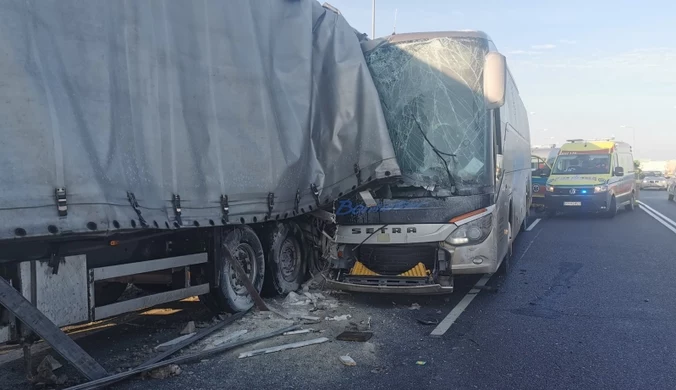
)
(584, 69)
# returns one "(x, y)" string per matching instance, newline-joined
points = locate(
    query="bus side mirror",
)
(619, 171)
(495, 80)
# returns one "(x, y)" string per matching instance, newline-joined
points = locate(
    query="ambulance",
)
(542, 160)
(596, 176)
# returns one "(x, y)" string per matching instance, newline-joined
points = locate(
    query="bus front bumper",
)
(428, 289)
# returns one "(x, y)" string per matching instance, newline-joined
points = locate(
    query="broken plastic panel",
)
(431, 91)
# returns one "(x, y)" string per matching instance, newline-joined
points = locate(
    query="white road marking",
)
(444, 325)
(664, 217)
(532, 225)
(529, 245)
(668, 223)
(450, 319)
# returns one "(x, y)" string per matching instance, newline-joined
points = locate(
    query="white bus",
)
(461, 138)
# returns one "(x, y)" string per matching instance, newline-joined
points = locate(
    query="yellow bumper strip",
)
(419, 271)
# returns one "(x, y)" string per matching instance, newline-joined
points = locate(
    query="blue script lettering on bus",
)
(346, 207)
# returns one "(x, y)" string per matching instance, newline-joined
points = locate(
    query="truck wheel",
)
(106, 293)
(232, 296)
(632, 203)
(286, 258)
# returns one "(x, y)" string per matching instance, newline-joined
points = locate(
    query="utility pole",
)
(373, 20)
(394, 30)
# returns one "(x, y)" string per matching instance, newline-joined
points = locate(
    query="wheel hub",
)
(289, 258)
(245, 255)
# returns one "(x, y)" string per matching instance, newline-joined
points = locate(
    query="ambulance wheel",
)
(612, 210)
(632, 203)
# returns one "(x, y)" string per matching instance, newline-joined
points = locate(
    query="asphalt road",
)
(588, 304)
(658, 200)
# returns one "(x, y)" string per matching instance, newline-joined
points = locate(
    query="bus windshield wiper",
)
(439, 154)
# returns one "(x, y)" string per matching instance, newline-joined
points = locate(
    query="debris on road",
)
(46, 374)
(189, 328)
(344, 317)
(348, 361)
(283, 347)
(301, 331)
(179, 360)
(361, 337)
(165, 372)
(414, 306)
(313, 319)
(420, 363)
(293, 299)
(226, 338)
(167, 345)
(425, 320)
(199, 336)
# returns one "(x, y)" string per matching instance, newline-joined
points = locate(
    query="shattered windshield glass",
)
(432, 96)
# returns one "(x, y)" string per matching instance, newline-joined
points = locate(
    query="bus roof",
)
(407, 37)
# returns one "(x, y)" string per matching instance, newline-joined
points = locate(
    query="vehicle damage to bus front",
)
(437, 220)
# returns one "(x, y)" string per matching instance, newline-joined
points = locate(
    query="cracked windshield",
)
(353, 194)
(432, 97)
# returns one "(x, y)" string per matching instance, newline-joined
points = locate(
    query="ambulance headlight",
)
(472, 233)
(599, 189)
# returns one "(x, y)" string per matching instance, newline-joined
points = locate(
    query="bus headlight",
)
(472, 233)
(603, 188)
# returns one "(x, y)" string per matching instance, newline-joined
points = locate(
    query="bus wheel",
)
(526, 219)
(612, 210)
(286, 258)
(243, 245)
(505, 265)
(632, 203)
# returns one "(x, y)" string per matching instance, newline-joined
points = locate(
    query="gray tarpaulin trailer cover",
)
(182, 104)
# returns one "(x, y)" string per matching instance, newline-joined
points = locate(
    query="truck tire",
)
(286, 257)
(232, 296)
(106, 293)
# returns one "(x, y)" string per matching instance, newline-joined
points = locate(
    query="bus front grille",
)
(396, 259)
